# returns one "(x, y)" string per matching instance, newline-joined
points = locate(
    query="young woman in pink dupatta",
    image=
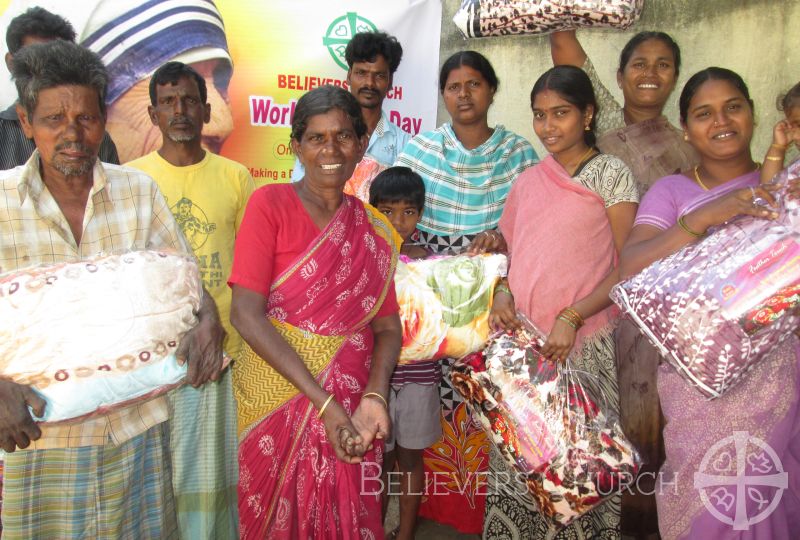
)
(564, 222)
(314, 300)
(717, 118)
(637, 132)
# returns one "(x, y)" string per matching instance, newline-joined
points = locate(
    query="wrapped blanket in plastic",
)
(549, 422)
(719, 306)
(363, 175)
(445, 304)
(484, 18)
(93, 335)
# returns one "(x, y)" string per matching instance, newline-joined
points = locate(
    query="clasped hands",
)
(353, 436)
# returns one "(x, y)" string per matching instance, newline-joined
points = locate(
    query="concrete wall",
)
(751, 37)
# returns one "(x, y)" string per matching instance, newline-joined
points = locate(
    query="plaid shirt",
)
(125, 211)
(465, 190)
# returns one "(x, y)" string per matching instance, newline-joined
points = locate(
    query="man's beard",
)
(182, 137)
(74, 169)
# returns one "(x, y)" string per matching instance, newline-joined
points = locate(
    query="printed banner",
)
(258, 59)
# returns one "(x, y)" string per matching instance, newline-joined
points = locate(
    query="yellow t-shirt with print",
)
(208, 201)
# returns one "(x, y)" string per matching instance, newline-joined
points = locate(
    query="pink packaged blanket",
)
(719, 306)
(549, 422)
(363, 175)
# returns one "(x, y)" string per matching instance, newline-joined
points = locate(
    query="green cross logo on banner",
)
(341, 31)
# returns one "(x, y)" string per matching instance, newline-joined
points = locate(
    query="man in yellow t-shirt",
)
(207, 194)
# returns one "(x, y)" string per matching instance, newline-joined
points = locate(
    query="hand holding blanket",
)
(719, 306)
(97, 334)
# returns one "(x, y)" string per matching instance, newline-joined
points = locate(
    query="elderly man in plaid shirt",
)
(109, 476)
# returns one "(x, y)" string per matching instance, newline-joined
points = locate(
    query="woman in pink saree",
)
(717, 118)
(565, 221)
(314, 300)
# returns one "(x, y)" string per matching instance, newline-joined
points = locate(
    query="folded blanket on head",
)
(445, 303)
(93, 335)
(719, 306)
(550, 423)
(484, 18)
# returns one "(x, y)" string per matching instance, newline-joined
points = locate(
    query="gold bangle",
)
(377, 395)
(686, 229)
(573, 315)
(577, 315)
(570, 318)
(324, 406)
(774, 158)
(568, 321)
(503, 288)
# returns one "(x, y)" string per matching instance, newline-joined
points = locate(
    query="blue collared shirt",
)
(385, 144)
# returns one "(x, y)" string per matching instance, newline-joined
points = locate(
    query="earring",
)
(587, 128)
(685, 136)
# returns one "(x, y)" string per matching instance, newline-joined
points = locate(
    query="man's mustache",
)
(180, 120)
(74, 146)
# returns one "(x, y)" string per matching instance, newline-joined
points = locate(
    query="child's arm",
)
(773, 161)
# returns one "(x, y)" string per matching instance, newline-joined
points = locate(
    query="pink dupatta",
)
(560, 244)
(291, 483)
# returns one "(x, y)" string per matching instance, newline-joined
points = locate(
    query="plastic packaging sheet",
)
(445, 303)
(484, 18)
(94, 335)
(365, 172)
(719, 306)
(549, 421)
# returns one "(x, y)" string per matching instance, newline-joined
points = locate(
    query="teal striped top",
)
(465, 190)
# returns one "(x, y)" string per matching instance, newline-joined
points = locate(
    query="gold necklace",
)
(585, 155)
(582, 158)
(700, 182)
(697, 178)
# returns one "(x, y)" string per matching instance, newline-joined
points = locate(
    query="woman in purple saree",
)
(728, 435)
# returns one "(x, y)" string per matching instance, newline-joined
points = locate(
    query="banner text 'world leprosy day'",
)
(264, 111)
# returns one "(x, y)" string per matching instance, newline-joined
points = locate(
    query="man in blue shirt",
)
(372, 58)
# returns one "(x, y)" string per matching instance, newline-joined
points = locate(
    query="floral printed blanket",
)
(719, 306)
(549, 423)
(484, 18)
(445, 303)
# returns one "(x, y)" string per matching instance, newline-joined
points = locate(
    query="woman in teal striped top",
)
(467, 166)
